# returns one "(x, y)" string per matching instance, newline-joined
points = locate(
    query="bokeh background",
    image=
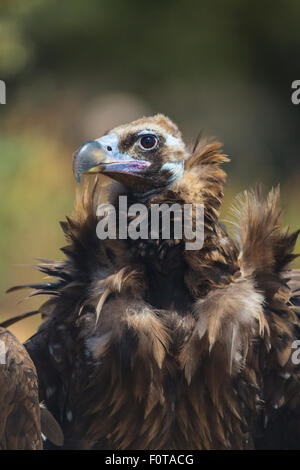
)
(75, 68)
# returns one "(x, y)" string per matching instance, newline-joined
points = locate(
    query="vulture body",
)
(148, 345)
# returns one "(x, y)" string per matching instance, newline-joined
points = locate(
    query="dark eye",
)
(148, 142)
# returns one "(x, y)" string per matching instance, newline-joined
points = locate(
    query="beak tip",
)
(86, 157)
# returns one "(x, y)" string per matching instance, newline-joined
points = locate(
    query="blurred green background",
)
(75, 68)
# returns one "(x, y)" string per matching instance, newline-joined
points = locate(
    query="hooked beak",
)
(103, 156)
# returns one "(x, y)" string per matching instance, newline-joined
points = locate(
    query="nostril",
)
(109, 148)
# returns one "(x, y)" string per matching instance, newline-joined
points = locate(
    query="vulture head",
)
(146, 155)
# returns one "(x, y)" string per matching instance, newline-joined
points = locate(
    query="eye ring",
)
(148, 142)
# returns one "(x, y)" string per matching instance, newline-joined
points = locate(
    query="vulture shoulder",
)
(20, 426)
(246, 335)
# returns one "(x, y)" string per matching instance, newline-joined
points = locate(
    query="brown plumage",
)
(147, 345)
(20, 426)
(23, 418)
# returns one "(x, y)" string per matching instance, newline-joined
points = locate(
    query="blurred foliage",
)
(75, 68)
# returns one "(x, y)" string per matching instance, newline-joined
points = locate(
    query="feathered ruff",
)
(264, 246)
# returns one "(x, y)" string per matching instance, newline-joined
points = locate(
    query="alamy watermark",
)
(2, 353)
(2, 92)
(163, 221)
(296, 94)
(296, 354)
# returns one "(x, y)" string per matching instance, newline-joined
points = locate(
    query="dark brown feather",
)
(20, 427)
